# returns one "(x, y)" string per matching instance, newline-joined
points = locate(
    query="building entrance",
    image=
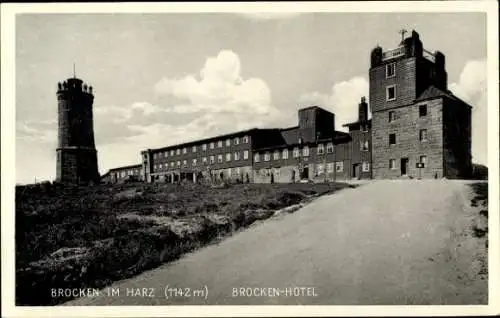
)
(404, 166)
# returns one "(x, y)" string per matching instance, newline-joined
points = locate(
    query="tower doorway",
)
(404, 166)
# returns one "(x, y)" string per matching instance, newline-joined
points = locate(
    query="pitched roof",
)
(434, 92)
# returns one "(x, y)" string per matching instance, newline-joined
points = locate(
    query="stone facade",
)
(415, 118)
(406, 127)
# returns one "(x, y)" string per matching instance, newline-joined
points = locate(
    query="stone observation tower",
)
(76, 153)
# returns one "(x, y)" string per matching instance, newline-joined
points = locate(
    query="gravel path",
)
(386, 242)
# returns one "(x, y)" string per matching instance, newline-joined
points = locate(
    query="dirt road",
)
(386, 242)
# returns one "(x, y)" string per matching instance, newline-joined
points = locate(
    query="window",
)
(390, 92)
(329, 167)
(178, 152)
(228, 157)
(321, 149)
(305, 151)
(172, 153)
(219, 158)
(329, 147)
(364, 145)
(423, 134)
(194, 162)
(161, 167)
(392, 139)
(155, 156)
(276, 155)
(267, 156)
(296, 152)
(245, 140)
(219, 144)
(184, 162)
(172, 164)
(366, 166)
(256, 157)
(123, 173)
(194, 148)
(204, 160)
(339, 166)
(184, 150)
(392, 116)
(212, 145)
(178, 163)
(228, 142)
(321, 170)
(204, 147)
(236, 141)
(166, 154)
(392, 163)
(390, 70)
(284, 155)
(423, 159)
(422, 110)
(212, 160)
(236, 156)
(245, 154)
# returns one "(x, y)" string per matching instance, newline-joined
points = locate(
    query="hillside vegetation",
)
(88, 237)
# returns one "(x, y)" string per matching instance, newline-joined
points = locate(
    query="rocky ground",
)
(76, 237)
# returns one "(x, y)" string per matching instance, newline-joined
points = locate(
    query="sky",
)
(163, 79)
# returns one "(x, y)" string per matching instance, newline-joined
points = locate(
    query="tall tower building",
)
(76, 152)
(420, 129)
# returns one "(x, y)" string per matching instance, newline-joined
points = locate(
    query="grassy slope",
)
(90, 237)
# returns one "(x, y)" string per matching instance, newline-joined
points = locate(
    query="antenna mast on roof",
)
(402, 31)
(74, 72)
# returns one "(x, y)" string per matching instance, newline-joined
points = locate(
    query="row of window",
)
(422, 112)
(124, 173)
(194, 149)
(339, 167)
(284, 154)
(205, 160)
(422, 136)
(392, 162)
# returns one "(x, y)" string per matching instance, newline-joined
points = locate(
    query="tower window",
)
(390, 70)
(423, 134)
(423, 159)
(390, 92)
(422, 110)
(392, 116)
(392, 139)
(392, 163)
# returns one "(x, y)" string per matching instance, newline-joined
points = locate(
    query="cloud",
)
(269, 15)
(42, 131)
(342, 100)
(471, 87)
(219, 88)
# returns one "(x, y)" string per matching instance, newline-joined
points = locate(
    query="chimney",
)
(363, 110)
